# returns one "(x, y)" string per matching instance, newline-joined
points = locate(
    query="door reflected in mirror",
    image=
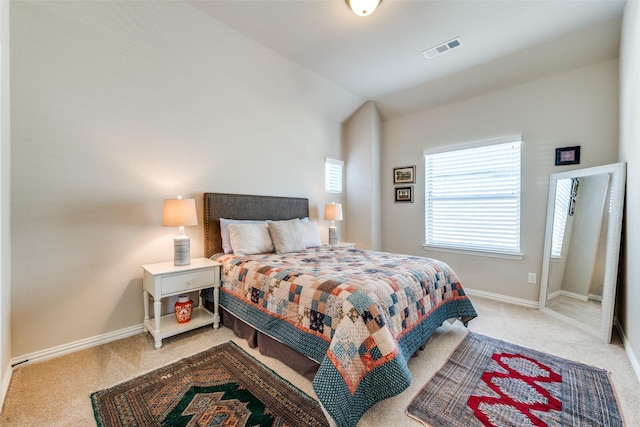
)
(582, 246)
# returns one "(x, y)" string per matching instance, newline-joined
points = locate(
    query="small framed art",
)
(568, 156)
(404, 175)
(404, 194)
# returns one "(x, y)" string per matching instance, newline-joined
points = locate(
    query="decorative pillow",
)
(287, 236)
(224, 231)
(310, 234)
(249, 239)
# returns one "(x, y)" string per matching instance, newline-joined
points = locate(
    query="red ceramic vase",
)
(183, 309)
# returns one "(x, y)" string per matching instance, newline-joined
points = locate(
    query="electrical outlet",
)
(532, 279)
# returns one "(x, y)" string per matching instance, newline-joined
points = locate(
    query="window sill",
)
(503, 255)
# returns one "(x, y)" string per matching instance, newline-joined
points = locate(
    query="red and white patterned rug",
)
(488, 382)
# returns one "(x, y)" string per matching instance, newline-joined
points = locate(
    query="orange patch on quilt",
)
(348, 288)
(292, 290)
(369, 343)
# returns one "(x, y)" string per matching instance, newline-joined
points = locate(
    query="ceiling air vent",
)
(442, 48)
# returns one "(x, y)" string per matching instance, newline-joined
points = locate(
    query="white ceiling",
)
(379, 57)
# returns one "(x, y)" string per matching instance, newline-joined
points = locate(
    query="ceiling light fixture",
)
(363, 7)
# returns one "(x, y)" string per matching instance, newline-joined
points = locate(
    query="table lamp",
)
(179, 213)
(333, 213)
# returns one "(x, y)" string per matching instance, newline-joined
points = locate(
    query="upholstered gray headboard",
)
(243, 206)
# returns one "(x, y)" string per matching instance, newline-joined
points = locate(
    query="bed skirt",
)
(266, 345)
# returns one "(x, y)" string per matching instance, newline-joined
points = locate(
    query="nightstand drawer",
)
(187, 281)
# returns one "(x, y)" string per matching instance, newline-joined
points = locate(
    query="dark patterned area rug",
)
(223, 386)
(488, 382)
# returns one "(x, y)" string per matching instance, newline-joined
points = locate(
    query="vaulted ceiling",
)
(380, 57)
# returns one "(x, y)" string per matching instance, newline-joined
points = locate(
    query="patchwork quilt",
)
(359, 314)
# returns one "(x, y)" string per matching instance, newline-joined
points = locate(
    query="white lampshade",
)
(178, 213)
(363, 7)
(333, 211)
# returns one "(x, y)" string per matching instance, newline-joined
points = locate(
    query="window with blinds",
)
(560, 215)
(333, 175)
(472, 197)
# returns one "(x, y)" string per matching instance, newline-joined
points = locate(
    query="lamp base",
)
(181, 250)
(333, 235)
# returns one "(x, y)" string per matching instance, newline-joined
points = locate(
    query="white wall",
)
(362, 155)
(5, 221)
(579, 107)
(118, 105)
(629, 288)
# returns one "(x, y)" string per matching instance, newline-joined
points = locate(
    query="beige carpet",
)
(56, 392)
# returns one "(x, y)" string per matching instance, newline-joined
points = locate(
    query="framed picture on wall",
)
(568, 156)
(404, 194)
(404, 175)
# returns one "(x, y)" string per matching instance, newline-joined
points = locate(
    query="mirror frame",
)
(614, 236)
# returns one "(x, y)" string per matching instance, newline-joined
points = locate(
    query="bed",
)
(348, 319)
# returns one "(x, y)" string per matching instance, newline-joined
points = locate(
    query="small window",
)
(560, 215)
(333, 175)
(472, 197)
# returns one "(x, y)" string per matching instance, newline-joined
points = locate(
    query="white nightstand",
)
(164, 280)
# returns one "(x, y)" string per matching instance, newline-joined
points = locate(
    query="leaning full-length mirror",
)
(582, 246)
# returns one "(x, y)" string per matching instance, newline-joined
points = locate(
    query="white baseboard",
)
(60, 350)
(635, 362)
(502, 298)
(575, 296)
(583, 298)
(552, 295)
(595, 297)
(4, 387)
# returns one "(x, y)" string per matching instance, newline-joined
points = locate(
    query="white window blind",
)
(472, 197)
(560, 214)
(333, 175)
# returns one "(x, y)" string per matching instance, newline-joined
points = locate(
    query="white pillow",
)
(287, 236)
(249, 239)
(310, 234)
(227, 247)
